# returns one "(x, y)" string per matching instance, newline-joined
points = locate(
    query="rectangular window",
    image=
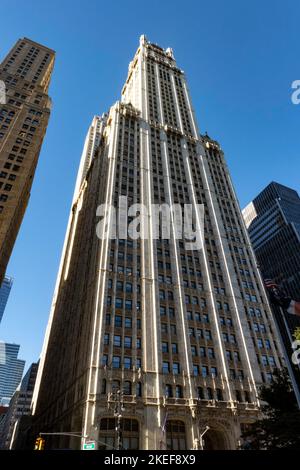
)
(116, 362)
(171, 312)
(199, 333)
(170, 295)
(197, 316)
(272, 361)
(211, 353)
(105, 360)
(138, 363)
(117, 341)
(264, 360)
(162, 295)
(127, 342)
(232, 339)
(128, 287)
(106, 339)
(127, 362)
(189, 315)
(163, 311)
(236, 356)
(208, 334)
(202, 351)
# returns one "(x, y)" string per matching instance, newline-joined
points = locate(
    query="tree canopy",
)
(280, 426)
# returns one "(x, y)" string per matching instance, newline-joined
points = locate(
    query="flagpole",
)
(277, 295)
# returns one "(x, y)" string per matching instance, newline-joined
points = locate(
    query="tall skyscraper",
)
(170, 338)
(273, 222)
(5, 288)
(11, 371)
(26, 73)
(19, 409)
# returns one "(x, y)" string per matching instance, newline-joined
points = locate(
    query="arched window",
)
(127, 387)
(168, 391)
(210, 394)
(238, 395)
(139, 389)
(179, 391)
(200, 393)
(115, 386)
(176, 439)
(103, 388)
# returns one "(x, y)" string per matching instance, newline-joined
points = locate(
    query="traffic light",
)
(39, 443)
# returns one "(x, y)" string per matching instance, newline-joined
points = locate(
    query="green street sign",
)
(89, 446)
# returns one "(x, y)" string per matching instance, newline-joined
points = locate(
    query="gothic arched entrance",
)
(214, 439)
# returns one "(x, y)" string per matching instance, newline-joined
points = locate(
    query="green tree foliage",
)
(297, 333)
(280, 426)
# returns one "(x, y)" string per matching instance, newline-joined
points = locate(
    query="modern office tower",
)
(4, 293)
(19, 408)
(11, 371)
(273, 222)
(169, 339)
(26, 73)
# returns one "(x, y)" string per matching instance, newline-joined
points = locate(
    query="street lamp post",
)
(201, 437)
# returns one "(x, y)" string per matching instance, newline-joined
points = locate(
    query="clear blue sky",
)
(240, 59)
